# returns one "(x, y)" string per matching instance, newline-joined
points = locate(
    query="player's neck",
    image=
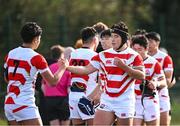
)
(27, 45)
(89, 46)
(124, 47)
(152, 53)
(144, 56)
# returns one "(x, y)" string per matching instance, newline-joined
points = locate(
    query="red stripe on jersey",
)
(20, 108)
(138, 92)
(114, 70)
(39, 62)
(148, 65)
(121, 92)
(85, 77)
(122, 56)
(148, 78)
(9, 100)
(96, 58)
(14, 89)
(17, 77)
(22, 64)
(116, 84)
(138, 81)
(159, 59)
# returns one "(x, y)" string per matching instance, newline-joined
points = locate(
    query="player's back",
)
(82, 57)
(22, 74)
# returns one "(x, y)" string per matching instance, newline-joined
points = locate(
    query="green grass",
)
(3, 122)
(175, 120)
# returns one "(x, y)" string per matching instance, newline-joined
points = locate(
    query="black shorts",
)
(57, 108)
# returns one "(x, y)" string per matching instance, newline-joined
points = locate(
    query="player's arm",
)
(137, 73)
(53, 79)
(168, 70)
(5, 71)
(40, 63)
(82, 70)
(169, 75)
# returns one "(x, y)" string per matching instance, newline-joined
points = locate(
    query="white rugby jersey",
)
(167, 65)
(23, 66)
(118, 81)
(153, 71)
(82, 57)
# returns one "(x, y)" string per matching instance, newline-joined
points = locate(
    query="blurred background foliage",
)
(62, 20)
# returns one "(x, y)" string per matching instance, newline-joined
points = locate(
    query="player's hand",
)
(152, 85)
(118, 62)
(63, 63)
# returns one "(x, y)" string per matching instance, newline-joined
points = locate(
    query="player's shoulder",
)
(151, 59)
(83, 52)
(161, 53)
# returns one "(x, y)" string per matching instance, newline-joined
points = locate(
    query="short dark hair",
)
(88, 33)
(105, 32)
(141, 40)
(56, 51)
(154, 35)
(29, 31)
(140, 32)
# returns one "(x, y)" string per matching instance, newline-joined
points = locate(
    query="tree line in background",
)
(62, 20)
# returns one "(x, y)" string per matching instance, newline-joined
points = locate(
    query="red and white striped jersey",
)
(165, 60)
(82, 57)
(167, 65)
(153, 71)
(23, 65)
(118, 81)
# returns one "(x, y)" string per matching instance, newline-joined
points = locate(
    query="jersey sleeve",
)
(168, 64)
(158, 71)
(40, 63)
(95, 61)
(138, 62)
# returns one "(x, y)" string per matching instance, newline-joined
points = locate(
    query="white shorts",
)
(164, 100)
(75, 112)
(114, 105)
(20, 113)
(149, 112)
(165, 106)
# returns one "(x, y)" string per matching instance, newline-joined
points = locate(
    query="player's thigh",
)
(153, 123)
(138, 122)
(125, 121)
(164, 118)
(13, 123)
(103, 117)
(36, 121)
(78, 122)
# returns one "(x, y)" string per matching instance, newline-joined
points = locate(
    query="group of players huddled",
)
(116, 78)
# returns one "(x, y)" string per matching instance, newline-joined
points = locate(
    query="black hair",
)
(56, 52)
(140, 32)
(29, 31)
(141, 40)
(105, 32)
(87, 33)
(154, 35)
